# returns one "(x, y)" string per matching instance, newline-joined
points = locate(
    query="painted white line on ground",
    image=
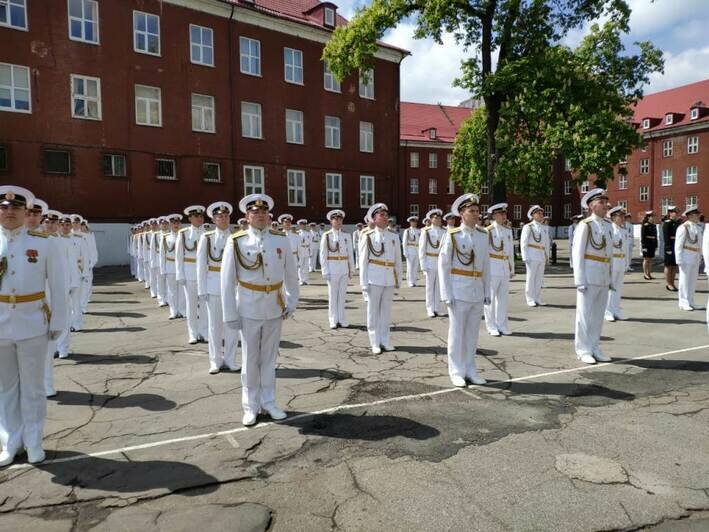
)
(232, 441)
(340, 408)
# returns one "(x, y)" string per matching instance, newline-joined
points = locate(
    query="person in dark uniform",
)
(669, 230)
(648, 243)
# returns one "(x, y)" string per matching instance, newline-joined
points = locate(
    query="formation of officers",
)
(235, 286)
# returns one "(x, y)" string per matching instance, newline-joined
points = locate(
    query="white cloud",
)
(685, 67)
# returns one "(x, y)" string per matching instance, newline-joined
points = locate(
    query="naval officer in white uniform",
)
(502, 269)
(186, 273)
(688, 254)
(337, 265)
(429, 248)
(410, 243)
(535, 246)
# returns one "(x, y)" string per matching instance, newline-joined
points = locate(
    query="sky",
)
(680, 28)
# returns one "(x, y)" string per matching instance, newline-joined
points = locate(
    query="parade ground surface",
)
(140, 437)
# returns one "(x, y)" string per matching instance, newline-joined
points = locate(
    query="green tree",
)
(565, 101)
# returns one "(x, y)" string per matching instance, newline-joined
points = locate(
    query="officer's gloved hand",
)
(581, 288)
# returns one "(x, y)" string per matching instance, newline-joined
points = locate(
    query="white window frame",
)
(567, 211)
(645, 166)
(200, 46)
(644, 193)
(646, 123)
(148, 101)
(516, 212)
(432, 133)
(330, 82)
(292, 71)
(8, 23)
(694, 114)
(692, 145)
(432, 160)
(451, 186)
(484, 189)
(548, 211)
(622, 182)
(333, 190)
(86, 79)
(146, 33)
(413, 185)
(432, 206)
(254, 180)
(664, 205)
(249, 56)
(203, 111)
(296, 187)
(333, 132)
(366, 191)
(82, 21)
(294, 127)
(669, 118)
(567, 187)
(690, 202)
(173, 177)
(414, 209)
(113, 158)
(623, 204)
(329, 17)
(366, 137)
(666, 177)
(692, 175)
(219, 171)
(667, 148)
(254, 121)
(449, 160)
(432, 185)
(414, 159)
(366, 90)
(585, 187)
(13, 89)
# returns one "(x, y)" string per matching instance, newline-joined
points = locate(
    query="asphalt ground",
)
(140, 437)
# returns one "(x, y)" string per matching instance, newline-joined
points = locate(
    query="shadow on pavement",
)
(551, 305)
(422, 349)
(553, 336)
(80, 358)
(408, 328)
(673, 321)
(699, 366)
(365, 427)
(309, 373)
(146, 401)
(117, 314)
(114, 329)
(114, 293)
(564, 389)
(115, 302)
(285, 344)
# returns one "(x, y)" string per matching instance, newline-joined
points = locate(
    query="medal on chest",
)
(32, 255)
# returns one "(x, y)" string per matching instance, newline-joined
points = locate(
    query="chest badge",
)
(32, 255)
(280, 253)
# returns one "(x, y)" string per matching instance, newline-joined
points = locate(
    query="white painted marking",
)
(341, 408)
(232, 441)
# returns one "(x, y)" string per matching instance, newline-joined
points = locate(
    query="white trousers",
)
(77, 319)
(85, 295)
(153, 275)
(496, 311)
(223, 340)
(433, 292)
(23, 403)
(534, 281)
(313, 260)
(412, 267)
(463, 333)
(259, 343)
(379, 301)
(160, 288)
(196, 317)
(63, 342)
(146, 274)
(336, 295)
(687, 283)
(139, 270)
(132, 265)
(175, 296)
(303, 271)
(590, 307)
(614, 296)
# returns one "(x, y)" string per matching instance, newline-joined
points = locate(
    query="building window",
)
(57, 162)
(567, 165)
(668, 119)
(294, 126)
(667, 148)
(567, 188)
(201, 45)
(293, 60)
(666, 178)
(296, 188)
(414, 185)
(449, 160)
(414, 159)
(332, 132)
(623, 204)
(366, 137)
(622, 182)
(114, 165)
(433, 160)
(166, 169)
(148, 107)
(694, 114)
(331, 83)
(692, 145)
(146, 33)
(15, 94)
(251, 120)
(433, 186)
(547, 211)
(329, 16)
(86, 97)
(646, 123)
(83, 20)
(644, 193)
(692, 175)
(203, 113)
(451, 186)
(517, 212)
(432, 206)
(644, 166)
(211, 172)
(432, 133)
(4, 159)
(691, 202)
(253, 180)
(13, 14)
(333, 190)
(664, 205)
(585, 186)
(484, 188)
(567, 211)
(366, 191)
(250, 56)
(366, 84)
(414, 209)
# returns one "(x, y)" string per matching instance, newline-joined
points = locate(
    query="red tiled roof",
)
(418, 118)
(677, 100)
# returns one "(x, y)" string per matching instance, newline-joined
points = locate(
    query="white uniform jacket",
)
(294, 240)
(620, 237)
(82, 260)
(464, 265)
(186, 253)
(535, 244)
(501, 250)
(259, 277)
(379, 258)
(688, 243)
(167, 253)
(592, 252)
(430, 246)
(304, 244)
(336, 253)
(410, 240)
(209, 261)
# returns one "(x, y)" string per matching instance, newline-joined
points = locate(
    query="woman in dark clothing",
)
(648, 243)
(669, 230)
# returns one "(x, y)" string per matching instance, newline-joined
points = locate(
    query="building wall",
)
(52, 57)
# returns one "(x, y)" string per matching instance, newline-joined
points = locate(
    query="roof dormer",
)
(672, 118)
(698, 110)
(324, 13)
(649, 122)
(432, 133)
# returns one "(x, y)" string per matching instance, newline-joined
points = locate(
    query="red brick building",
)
(427, 136)
(125, 109)
(672, 168)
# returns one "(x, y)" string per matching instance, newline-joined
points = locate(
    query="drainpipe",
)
(232, 124)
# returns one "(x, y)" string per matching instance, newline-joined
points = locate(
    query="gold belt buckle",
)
(268, 288)
(12, 299)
